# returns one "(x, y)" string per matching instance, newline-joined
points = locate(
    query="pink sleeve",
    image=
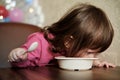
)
(34, 56)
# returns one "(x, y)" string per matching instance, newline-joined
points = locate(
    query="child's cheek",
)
(88, 56)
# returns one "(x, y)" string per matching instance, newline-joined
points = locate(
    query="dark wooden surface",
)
(55, 73)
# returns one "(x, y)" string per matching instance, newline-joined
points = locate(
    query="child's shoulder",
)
(36, 35)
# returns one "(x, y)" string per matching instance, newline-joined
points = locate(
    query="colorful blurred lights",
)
(31, 10)
(8, 1)
(1, 17)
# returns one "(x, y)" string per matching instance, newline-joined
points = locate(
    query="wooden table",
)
(55, 73)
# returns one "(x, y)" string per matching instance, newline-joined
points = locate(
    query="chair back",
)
(13, 35)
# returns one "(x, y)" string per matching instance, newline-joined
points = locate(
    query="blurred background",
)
(46, 12)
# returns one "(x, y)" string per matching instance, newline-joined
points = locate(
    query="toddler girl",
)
(85, 31)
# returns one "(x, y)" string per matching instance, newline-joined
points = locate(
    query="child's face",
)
(89, 53)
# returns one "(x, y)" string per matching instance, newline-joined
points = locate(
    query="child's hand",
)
(17, 55)
(99, 63)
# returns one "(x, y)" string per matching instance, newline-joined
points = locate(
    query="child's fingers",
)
(23, 57)
(107, 65)
(20, 54)
(102, 64)
(12, 57)
(111, 65)
(15, 56)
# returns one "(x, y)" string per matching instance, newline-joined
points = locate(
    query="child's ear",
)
(68, 41)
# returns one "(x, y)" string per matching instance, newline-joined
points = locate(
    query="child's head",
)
(83, 28)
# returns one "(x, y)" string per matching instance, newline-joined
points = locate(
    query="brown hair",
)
(89, 27)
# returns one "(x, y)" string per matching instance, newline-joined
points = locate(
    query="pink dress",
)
(41, 56)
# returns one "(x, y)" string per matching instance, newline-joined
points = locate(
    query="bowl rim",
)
(61, 57)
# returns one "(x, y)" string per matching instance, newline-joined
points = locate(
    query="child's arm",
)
(38, 57)
(19, 58)
(99, 63)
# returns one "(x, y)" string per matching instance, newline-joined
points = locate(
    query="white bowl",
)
(72, 63)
